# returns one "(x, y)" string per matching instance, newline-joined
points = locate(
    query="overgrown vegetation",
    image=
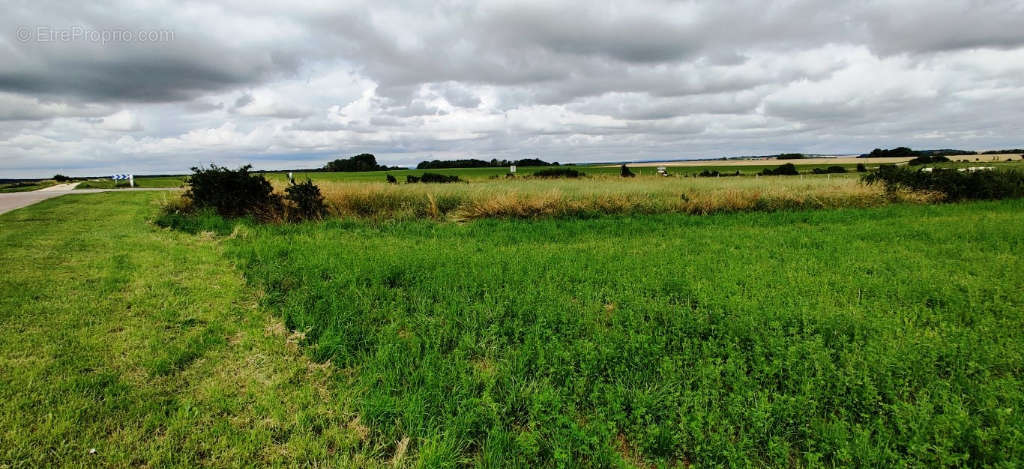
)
(829, 170)
(954, 185)
(594, 196)
(232, 193)
(625, 172)
(668, 341)
(432, 178)
(555, 173)
(714, 173)
(788, 169)
(306, 201)
(641, 341)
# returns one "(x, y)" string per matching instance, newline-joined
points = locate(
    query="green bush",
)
(307, 203)
(955, 185)
(788, 169)
(61, 178)
(428, 178)
(558, 173)
(925, 159)
(829, 170)
(232, 193)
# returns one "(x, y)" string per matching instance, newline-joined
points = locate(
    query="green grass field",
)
(472, 174)
(145, 345)
(26, 186)
(888, 336)
(141, 181)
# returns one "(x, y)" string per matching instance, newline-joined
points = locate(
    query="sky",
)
(158, 87)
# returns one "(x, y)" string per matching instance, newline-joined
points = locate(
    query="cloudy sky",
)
(92, 88)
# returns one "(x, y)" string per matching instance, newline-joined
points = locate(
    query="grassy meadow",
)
(141, 181)
(872, 337)
(146, 346)
(488, 193)
(524, 197)
(872, 333)
(748, 168)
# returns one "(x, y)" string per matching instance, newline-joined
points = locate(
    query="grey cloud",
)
(570, 80)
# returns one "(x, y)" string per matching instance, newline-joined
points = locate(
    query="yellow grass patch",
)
(532, 198)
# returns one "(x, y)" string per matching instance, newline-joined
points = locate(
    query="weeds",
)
(954, 185)
(788, 339)
(539, 198)
(232, 193)
(788, 169)
(306, 201)
(555, 173)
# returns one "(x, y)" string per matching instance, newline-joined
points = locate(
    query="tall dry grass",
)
(531, 198)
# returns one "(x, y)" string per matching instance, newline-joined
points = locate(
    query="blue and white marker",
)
(122, 177)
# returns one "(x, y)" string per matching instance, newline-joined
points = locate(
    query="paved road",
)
(15, 200)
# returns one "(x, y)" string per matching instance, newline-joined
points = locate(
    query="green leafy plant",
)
(232, 193)
(307, 203)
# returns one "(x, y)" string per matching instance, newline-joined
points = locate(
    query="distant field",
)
(26, 186)
(464, 173)
(840, 160)
(678, 168)
(142, 181)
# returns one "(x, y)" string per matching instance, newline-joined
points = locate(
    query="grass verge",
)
(145, 345)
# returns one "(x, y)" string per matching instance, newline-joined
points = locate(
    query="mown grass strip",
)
(145, 345)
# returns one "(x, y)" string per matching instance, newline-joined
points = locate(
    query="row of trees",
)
(361, 162)
(901, 152)
(474, 163)
(368, 162)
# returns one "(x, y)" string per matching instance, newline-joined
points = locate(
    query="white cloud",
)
(299, 83)
(121, 121)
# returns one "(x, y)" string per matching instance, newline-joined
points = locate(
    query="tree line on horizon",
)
(368, 162)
